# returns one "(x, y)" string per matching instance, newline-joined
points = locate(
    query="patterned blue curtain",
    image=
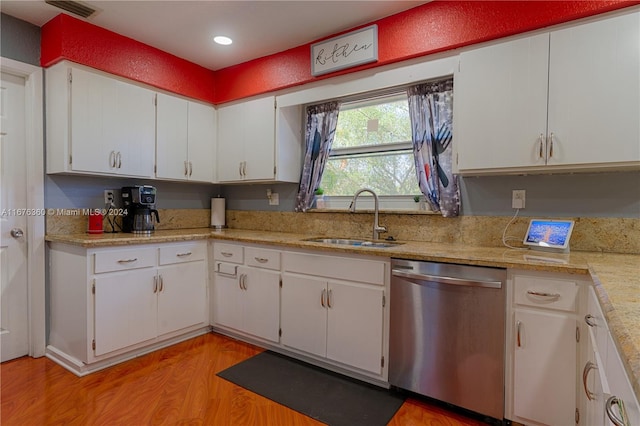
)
(320, 130)
(431, 112)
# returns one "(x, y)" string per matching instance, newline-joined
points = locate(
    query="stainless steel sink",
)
(353, 242)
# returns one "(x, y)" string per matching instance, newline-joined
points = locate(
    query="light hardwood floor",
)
(176, 385)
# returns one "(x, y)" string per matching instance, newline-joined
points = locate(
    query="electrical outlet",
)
(109, 196)
(518, 198)
(274, 199)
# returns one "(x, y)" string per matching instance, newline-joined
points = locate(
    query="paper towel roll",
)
(218, 213)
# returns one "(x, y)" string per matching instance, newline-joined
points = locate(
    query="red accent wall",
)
(65, 37)
(430, 28)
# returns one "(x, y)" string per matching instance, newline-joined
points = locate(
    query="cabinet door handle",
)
(235, 271)
(188, 253)
(322, 295)
(541, 151)
(623, 420)
(518, 327)
(127, 260)
(590, 320)
(329, 299)
(161, 284)
(155, 284)
(226, 254)
(112, 160)
(190, 168)
(244, 169)
(585, 375)
(551, 145)
(119, 157)
(186, 170)
(543, 294)
(240, 168)
(261, 259)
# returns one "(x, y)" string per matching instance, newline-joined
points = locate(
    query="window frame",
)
(400, 203)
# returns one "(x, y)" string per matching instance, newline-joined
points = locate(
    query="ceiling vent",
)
(74, 7)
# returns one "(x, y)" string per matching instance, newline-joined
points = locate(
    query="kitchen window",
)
(372, 148)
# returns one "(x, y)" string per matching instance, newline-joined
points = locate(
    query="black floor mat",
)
(322, 395)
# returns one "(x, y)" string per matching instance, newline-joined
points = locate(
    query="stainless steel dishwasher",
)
(448, 333)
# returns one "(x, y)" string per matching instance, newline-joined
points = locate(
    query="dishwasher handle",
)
(446, 280)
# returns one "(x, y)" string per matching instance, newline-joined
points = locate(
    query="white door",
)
(545, 368)
(261, 307)
(259, 139)
(303, 313)
(501, 104)
(182, 296)
(202, 139)
(14, 318)
(171, 137)
(126, 309)
(355, 323)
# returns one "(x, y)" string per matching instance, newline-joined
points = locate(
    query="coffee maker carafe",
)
(139, 204)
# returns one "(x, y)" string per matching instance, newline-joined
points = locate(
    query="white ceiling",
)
(185, 28)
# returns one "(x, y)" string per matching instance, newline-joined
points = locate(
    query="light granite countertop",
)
(616, 277)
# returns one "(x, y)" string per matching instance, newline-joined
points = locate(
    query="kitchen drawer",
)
(350, 269)
(228, 252)
(180, 253)
(546, 293)
(262, 258)
(120, 260)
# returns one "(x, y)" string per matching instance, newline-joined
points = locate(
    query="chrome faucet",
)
(377, 229)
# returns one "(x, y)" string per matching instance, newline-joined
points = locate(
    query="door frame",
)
(35, 232)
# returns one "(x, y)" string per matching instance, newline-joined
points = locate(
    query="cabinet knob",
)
(623, 420)
(590, 320)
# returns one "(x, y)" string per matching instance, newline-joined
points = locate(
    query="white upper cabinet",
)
(565, 100)
(258, 142)
(185, 140)
(98, 124)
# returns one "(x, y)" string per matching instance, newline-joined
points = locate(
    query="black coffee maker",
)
(139, 204)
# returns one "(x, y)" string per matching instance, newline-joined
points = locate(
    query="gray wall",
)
(19, 40)
(77, 192)
(611, 194)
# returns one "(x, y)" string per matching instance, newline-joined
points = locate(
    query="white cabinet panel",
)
(304, 314)
(202, 142)
(261, 303)
(98, 124)
(355, 325)
(251, 148)
(185, 141)
(594, 92)
(125, 309)
(545, 368)
(182, 296)
(500, 114)
(227, 302)
(564, 100)
(171, 138)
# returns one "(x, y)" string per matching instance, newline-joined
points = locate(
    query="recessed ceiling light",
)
(222, 40)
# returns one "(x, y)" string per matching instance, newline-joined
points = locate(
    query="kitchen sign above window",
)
(345, 51)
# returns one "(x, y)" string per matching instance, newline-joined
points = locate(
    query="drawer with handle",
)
(228, 252)
(546, 293)
(119, 260)
(180, 253)
(262, 258)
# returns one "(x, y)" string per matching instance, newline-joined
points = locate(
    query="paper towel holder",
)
(218, 213)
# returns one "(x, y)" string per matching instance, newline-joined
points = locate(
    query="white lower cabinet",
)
(109, 304)
(247, 291)
(542, 348)
(604, 379)
(341, 320)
